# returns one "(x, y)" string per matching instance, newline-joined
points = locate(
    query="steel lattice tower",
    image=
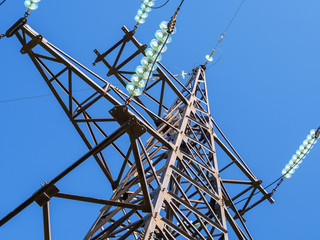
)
(170, 183)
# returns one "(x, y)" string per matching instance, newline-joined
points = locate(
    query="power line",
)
(234, 16)
(2, 2)
(181, 4)
(158, 6)
(209, 57)
(37, 96)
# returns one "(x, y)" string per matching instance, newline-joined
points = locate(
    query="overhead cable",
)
(158, 6)
(209, 57)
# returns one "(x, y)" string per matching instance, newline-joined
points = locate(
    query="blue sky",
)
(263, 93)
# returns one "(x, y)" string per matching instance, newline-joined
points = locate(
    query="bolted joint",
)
(32, 44)
(129, 35)
(203, 67)
(112, 71)
(257, 183)
(44, 197)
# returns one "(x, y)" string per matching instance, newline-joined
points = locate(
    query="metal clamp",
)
(16, 27)
(30, 45)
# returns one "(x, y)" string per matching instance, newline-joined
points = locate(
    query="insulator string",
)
(280, 179)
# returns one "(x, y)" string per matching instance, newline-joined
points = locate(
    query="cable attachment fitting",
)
(171, 25)
(221, 37)
(2, 36)
(173, 21)
(278, 184)
(128, 100)
(26, 14)
(317, 133)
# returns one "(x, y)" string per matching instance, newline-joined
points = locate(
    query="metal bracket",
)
(45, 197)
(30, 45)
(122, 116)
(114, 68)
(11, 31)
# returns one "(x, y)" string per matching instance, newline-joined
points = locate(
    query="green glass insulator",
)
(283, 172)
(309, 137)
(135, 79)
(142, 72)
(209, 58)
(294, 157)
(292, 165)
(287, 167)
(145, 8)
(313, 133)
(184, 74)
(130, 88)
(133, 90)
(297, 161)
(288, 175)
(301, 148)
(138, 92)
(164, 27)
(149, 3)
(138, 81)
(152, 55)
(298, 153)
(147, 63)
(36, 1)
(162, 36)
(31, 5)
(292, 171)
(142, 14)
(296, 166)
(157, 45)
(139, 19)
(310, 141)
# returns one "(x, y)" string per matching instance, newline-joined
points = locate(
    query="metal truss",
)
(168, 184)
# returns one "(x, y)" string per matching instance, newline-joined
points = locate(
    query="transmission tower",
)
(169, 183)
